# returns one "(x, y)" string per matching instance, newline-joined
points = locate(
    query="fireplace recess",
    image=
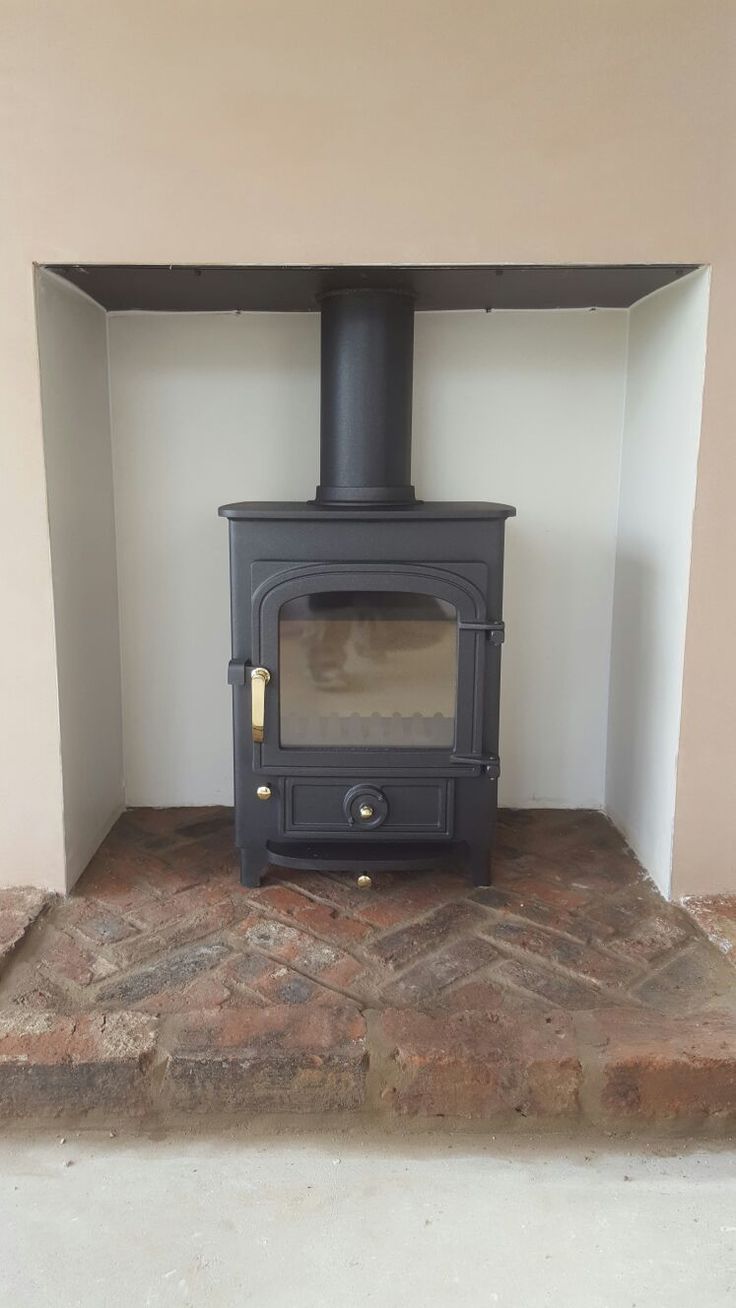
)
(366, 636)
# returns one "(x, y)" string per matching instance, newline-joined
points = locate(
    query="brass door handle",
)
(259, 679)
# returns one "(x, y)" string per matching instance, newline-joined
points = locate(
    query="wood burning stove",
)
(366, 636)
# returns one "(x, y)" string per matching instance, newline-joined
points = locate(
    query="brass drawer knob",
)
(364, 881)
(366, 811)
(264, 792)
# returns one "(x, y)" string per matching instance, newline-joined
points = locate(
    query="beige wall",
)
(237, 132)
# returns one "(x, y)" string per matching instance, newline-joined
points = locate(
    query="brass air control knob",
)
(365, 807)
(364, 881)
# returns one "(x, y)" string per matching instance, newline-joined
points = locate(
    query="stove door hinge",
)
(236, 672)
(495, 631)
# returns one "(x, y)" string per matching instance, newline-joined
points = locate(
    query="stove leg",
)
(251, 866)
(479, 865)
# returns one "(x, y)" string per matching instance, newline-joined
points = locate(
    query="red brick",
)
(169, 821)
(507, 903)
(411, 898)
(477, 1065)
(23, 899)
(97, 922)
(603, 872)
(203, 992)
(321, 919)
(342, 892)
(19, 909)
(247, 971)
(549, 858)
(394, 898)
(484, 994)
(285, 986)
(604, 916)
(207, 824)
(209, 920)
(561, 833)
(251, 918)
(135, 836)
(154, 913)
(561, 829)
(29, 990)
(587, 962)
(212, 855)
(317, 958)
(511, 860)
(119, 881)
(698, 977)
(511, 872)
(64, 959)
(284, 1058)
(252, 975)
(167, 974)
(654, 936)
(280, 984)
(180, 868)
(716, 916)
(454, 961)
(653, 1068)
(52, 1065)
(126, 841)
(400, 948)
(552, 987)
(556, 893)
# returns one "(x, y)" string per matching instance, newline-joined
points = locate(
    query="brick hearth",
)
(568, 992)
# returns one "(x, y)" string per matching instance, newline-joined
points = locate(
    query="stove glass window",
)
(370, 669)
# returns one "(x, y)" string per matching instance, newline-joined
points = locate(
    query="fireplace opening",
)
(166, 391)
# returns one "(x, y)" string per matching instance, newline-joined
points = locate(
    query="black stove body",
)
(366, 637)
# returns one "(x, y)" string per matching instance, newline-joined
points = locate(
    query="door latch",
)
(490, 764)
(495, 631)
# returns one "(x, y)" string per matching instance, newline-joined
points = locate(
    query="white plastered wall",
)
(661, 435)
(72, 335)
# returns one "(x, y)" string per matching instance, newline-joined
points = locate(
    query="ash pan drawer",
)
(369, 806)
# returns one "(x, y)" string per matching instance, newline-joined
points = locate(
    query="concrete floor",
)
(312, 1222)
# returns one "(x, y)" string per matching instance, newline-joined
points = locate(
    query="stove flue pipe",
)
(366, 380)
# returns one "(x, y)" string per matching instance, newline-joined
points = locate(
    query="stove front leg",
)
(475, 824)
(479, 866)
(252, 864)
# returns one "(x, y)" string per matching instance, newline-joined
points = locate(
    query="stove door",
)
(364, 660)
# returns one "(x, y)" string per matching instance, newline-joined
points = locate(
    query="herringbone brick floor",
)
(456, 1000)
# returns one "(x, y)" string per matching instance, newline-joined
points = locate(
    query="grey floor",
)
(350, 1220)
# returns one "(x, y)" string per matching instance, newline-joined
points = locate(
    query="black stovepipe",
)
(366, 394)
